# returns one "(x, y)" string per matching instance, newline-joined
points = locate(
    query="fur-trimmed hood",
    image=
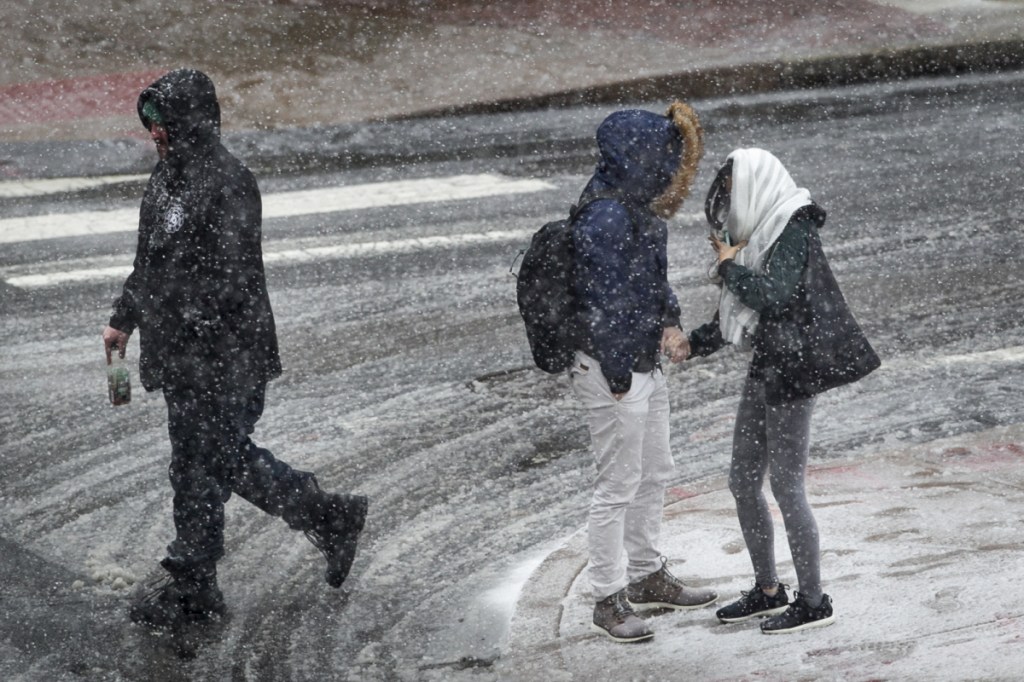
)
(647, 158)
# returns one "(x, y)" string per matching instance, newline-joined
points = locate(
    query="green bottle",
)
(119, 382)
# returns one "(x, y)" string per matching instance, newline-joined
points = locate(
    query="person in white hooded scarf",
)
(779, 300)
(763, 199)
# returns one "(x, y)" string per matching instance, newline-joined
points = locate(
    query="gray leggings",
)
(775, 439)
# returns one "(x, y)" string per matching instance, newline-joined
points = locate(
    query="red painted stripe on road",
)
(73, 98)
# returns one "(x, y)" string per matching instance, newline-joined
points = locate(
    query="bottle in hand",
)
(119, 384)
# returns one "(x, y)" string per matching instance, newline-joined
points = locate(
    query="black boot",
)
(188, 594)
(336, 522)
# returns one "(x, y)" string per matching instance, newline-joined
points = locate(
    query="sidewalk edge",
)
(759, 77)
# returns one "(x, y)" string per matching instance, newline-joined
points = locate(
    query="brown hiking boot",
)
(615, 619)
(662, 590)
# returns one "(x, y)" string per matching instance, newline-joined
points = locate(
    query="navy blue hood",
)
(639, 153)
(648, 159)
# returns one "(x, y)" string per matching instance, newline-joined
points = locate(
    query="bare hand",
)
(725, 251)
(674, 344)
(682, 352)
(114, 337)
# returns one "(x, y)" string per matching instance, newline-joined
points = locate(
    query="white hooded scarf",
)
(763, 199)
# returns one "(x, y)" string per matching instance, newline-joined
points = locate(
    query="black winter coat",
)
(197, 292)
(808, 343)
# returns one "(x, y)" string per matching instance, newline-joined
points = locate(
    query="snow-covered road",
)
(405, 381)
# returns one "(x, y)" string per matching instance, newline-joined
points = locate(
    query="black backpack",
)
(546, 294)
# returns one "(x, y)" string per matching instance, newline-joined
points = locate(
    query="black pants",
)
(212, 456)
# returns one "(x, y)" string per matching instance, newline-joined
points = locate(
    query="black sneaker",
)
(800, 616)
(337, 532)
(754, 604)
(182, 597)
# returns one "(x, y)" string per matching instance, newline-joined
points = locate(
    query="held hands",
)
(114, 337)
(725, 251)
(674, 344)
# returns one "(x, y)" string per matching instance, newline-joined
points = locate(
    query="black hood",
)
(187, 103)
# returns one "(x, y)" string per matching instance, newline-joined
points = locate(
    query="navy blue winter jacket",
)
(625, 301)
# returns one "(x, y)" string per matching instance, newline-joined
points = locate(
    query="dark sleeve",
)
(601, 235)
(235, 258)
(706, 339)
(782, 271)
(125, 313)
(673, 315)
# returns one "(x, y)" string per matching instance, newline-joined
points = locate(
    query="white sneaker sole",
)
(760, 614)
(655, 605)
(600, 630)
(806, 626)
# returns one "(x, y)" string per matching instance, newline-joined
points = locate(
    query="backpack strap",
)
(576, 209)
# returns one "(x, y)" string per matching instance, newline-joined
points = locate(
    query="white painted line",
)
(290, 256)
(56, 225)
(12, 189)
(56, 278)
(687, 218)
(1012, 354)
(343, 251)
(959, 361)
(398, 193)
(285, 204)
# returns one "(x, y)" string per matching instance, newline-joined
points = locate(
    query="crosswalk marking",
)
(13, 189)
(40, 281)
(101, 269)
(397, 246)
(56, 225)
(285, 204)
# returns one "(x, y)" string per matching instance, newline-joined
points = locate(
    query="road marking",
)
(13, 189)
(101, 268)
(56, 278)
(285, 204)
(398, 246)
(57, 225)
(1012, 355)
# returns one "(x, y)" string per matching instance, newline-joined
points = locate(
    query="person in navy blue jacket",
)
(627, 316)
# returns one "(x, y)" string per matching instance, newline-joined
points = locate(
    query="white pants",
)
(630, 438)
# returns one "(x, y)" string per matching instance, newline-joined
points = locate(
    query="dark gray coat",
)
(807, 340)
(197, 291)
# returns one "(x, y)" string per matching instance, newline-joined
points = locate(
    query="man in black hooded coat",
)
(198, 295)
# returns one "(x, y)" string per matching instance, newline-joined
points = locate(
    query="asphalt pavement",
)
(921, 546)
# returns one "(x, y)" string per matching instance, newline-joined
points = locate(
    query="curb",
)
(536, 623)
(433, 136)
(535, 631)
(854, 69)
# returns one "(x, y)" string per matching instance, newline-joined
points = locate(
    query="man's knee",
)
(614, 494)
